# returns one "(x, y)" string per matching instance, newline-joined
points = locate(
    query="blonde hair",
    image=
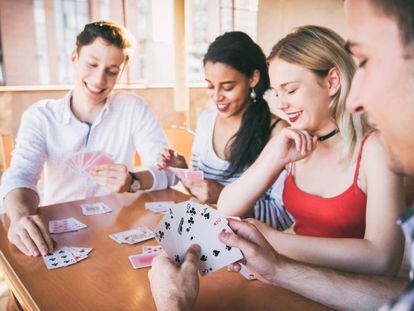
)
(320, 49)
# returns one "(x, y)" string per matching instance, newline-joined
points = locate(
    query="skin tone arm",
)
(336, 289)
(381, 250)
(27, 230)
(238, 198)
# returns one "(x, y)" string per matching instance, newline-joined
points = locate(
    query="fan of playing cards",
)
(190, 223)
(188, 174)
(83, 162)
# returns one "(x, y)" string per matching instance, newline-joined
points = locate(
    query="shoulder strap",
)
(274, 124)
(360, 154)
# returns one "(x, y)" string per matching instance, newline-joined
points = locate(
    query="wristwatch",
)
(135, 183)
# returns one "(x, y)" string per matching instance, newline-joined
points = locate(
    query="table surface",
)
(106, 280)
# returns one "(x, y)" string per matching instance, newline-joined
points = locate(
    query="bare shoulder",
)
(374, 156)
(281, 124)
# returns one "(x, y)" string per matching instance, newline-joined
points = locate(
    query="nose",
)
(282, 103)
(353, 101)
(100, 77)
(217, 95)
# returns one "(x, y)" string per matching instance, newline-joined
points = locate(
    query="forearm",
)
(238, 198)
(338, 290)
(353, 255)
(21, 202)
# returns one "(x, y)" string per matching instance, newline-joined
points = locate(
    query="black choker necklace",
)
(329, 135)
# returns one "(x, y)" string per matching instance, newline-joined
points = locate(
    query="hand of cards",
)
(190, 223)
(83, 162)
(65, 256)
(187, 174)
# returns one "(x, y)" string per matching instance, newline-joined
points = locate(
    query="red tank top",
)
(342, 216)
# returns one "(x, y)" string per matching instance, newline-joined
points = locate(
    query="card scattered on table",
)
(187, 173)
(65, 225)
(158, 207)
(65, 256)
(149, 249)
(132, 236)
(83, 162)
(89, 209)
(142, 260)
(190, 223)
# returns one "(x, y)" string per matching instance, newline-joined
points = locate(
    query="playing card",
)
(65, 225)
(80, 253)
(132, 236)
(148, 249)
(95, 209)
(62, 257)
(100, 159)
(197, 224)
(142, 260)
(194, 175)
(158, 207)
(246, 273)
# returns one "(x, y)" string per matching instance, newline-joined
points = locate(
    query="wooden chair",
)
(6, 147)
(180, 139)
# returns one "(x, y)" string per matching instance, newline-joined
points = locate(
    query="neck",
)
(83, 109)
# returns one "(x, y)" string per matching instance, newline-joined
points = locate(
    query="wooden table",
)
(106, 280)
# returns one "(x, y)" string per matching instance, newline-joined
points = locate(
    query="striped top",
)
(269, 208)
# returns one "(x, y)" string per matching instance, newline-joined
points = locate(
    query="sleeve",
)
(28, 157)
(149, 141)
(198, 143)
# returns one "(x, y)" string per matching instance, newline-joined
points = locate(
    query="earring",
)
(253, 95)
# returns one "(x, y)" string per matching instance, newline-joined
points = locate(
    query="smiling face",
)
(97, 67)
(302, 96)
(228, 88)
(383, 84)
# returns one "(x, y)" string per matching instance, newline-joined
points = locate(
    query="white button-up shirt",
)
(49, 133)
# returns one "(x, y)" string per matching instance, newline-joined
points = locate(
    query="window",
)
(41, 41)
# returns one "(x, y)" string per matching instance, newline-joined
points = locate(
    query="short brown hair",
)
(111, 32)
(402, 11)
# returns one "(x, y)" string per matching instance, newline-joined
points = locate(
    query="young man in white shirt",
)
(87, 118)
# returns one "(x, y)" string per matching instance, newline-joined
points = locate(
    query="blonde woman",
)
(337, 185)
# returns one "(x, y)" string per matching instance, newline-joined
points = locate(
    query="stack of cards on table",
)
(144, 260)
(187, 174)
(95, 208)
(159, 207)
(83, 162)
(132, 236)
(65, 256)
(190, 223)
(65, 225)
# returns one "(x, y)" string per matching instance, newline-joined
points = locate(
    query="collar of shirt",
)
(68, 115)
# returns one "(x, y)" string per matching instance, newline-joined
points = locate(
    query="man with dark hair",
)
(381, 36)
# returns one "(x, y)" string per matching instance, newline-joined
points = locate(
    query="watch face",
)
(135, 186)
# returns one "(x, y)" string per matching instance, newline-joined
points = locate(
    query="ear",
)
(255, 78)
(73, 56)
(334, 81)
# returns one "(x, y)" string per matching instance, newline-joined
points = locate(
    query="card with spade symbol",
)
(194, 223)
(61, 257)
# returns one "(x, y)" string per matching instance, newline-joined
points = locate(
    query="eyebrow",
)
(225, 82)
(349, 45)
(289, 82)
(113, 65)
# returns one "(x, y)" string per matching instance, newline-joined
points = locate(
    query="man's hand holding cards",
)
(190, 223)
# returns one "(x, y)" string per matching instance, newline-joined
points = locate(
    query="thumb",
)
(191, 261)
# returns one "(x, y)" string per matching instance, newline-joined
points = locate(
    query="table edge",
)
(16, 286)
